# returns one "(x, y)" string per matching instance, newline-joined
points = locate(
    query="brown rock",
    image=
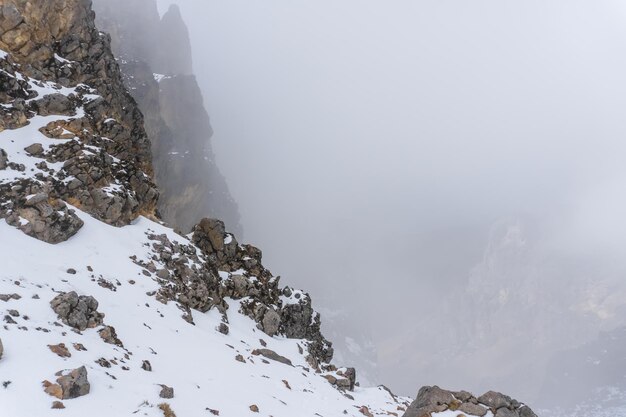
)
(57, 405)
(108, 334)
(60, 350)
(254, 408)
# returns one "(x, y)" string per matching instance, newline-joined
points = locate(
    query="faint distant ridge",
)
(155, 57)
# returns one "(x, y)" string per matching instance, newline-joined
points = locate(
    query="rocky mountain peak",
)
(173, 38)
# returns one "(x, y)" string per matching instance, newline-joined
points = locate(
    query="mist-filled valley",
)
(445, 177)
(313, 208)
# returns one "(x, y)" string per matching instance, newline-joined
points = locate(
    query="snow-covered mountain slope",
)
(197, 361)
(105, 310)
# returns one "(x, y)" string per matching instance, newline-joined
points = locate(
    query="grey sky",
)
(373, 145)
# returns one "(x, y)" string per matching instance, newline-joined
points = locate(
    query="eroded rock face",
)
(79, 312)
(434, 400)
(63, 69)
(155, 58)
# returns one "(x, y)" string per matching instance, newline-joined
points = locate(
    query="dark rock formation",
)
(155, 57)
(192, 279)
(105, 153)
(432, 400)
(79, 312)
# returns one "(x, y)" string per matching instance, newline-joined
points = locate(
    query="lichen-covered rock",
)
(434, 399)
(79, 312)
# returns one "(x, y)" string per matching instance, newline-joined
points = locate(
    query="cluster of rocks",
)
(104, 152)
(222, 268)
(79, 312)
(431, 400)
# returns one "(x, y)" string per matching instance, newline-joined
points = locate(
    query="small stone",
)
(103, 362)
(14, 313)
(108, 334)
(58, 405)
(34, 149)
(146, 366)
(166, 392)
(79, 347)
(240, 358)
(270, 354)
(365, 411)
(254, 408)
(60, 350)
(223, 328)
(71, 271)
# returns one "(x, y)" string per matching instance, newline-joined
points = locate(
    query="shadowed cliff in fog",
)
(155, 57)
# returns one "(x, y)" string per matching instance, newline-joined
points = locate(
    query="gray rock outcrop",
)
(433, 399)
(79, 312)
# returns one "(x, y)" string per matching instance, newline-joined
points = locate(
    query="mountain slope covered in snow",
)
(107, 311)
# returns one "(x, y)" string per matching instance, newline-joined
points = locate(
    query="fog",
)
(445, 177)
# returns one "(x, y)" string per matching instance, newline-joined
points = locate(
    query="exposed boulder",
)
(73, 384)
(56, 104)
(434, 400)
(45, 218)
(79, 312)
(271, 322)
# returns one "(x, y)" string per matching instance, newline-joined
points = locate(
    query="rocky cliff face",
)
(60, 79)
(155, 58)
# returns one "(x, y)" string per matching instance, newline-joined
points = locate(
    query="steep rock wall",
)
(155, 57)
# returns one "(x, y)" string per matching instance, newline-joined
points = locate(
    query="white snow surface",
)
(196, 361)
